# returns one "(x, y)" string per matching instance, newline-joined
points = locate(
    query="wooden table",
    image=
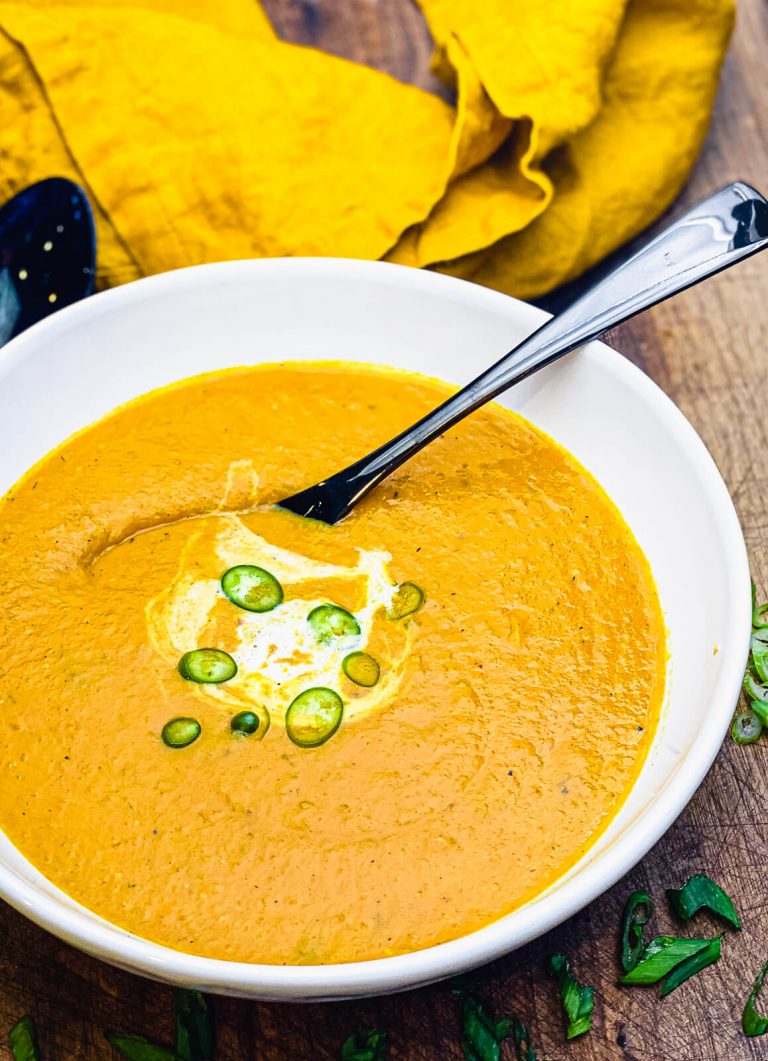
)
(709, 351)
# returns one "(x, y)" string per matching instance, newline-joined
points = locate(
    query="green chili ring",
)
(251, 723)
(207, 666)
(407, 599)
(252, 588)
(328, 622)
(361, 668)
(181, 732)
(313, 717)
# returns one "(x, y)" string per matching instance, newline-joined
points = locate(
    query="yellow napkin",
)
(200, 136)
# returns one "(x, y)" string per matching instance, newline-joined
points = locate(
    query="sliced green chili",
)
(759, 654)
(207, 666)
(313, 717)
(690, 966)
(760, 708)
(407, 599)
(638, 911)
(361, 669)
(249, 723)
(752, 1022)
(23, 1040)
(701, 893)
(252, 588)
(181, 732)
(578, 1002)
(660, 957)
(194, 1031)
(137, 1048)
(328, 622)
(524, 1050)
(367, 1044)
(753, 689)
(481, 1034)
(746, 727)
(758, 610)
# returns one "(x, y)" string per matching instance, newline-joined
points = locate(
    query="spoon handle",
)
(720, 231)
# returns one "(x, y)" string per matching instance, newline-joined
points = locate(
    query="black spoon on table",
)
(47, 253)
(724, 229)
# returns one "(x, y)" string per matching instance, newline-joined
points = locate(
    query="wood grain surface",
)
(708, 350)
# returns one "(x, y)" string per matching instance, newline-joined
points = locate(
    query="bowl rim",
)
(102, 939)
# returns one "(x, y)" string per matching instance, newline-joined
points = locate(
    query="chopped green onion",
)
(181, 732)
(407, 599)
(361, 669)
(252, 588)
(313, 717)
(481, 1034)
(758, 610)
(746, 727)
(752, 1022)
(194, 1033)
(137, 1048)
(638, 911)
(23, 1040)
(660, 956)
(701, 892)
(524, 1050)
(248, 722)
(329, 622)
(207, 666)
(578, 1001)
(690, 966)
(368, 1044)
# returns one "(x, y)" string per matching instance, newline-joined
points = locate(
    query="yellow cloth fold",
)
(200, 136)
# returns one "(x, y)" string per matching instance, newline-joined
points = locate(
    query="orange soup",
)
(251, 736)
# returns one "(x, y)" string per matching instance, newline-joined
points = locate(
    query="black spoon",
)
(724, 229)
(47, 253)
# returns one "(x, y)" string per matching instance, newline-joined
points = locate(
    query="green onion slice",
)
(660, 957)
(701, 893)
(407, 599)
(250, 723)
(638, 911)
(181, 732)
(758, 611)
(329, 622)
(361, 669)
(252, 588)
(692, 965)
(524, 1050)
(481, 1034)
(137, 1048)
(578, 1001)
(207, 666)
(367, 1044)
(23, 1040)
(313, 717)
(194, 1031)
(752, 1022)
(746, 727)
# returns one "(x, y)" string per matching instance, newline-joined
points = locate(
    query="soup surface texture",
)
(511, 714)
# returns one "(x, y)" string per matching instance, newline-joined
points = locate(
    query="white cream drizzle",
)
(277, 652)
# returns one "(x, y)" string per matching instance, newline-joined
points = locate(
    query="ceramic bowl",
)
(78, 364)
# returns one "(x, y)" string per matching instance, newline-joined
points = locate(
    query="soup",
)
(251, 736)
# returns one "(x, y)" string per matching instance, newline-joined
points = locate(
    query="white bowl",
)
(78, 364)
